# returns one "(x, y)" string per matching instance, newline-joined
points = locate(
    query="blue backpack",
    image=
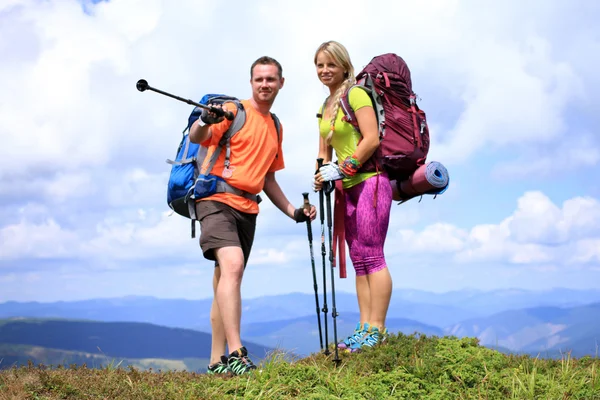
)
(187, 182)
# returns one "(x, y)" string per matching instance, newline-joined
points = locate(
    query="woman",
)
(367, 195)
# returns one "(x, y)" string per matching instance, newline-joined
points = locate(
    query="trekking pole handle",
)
(306, 207)
(306, 201)
(328, 186)
(142, 85)
(219, 112)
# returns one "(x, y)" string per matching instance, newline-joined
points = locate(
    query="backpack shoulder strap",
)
(349, 115)
(376, 100)
(320, 114)
(278, 129)
(236, 125)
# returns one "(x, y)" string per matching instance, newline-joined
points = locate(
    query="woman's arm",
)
(326, 153)
(325, 150)
(367, 124)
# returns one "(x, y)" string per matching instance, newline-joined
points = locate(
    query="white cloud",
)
(537, 233)
(436, 238)
(85, 106)
(269, 256)
(537, 220)
(587, 251)
(550, 160)
(82, 155)
(44, 240)
(139, 238)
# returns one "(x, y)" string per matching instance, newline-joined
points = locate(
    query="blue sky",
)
(510, 88)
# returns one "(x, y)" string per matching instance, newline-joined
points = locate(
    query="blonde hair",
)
(340, 55)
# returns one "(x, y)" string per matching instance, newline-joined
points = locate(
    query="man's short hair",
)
(265, 60)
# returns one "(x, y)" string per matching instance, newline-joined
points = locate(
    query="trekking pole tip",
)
(141, 85)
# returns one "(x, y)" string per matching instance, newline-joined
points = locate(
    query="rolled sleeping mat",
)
(431, 178)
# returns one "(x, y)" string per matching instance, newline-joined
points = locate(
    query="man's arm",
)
(201, 128)
(199, 133)
(276, 195)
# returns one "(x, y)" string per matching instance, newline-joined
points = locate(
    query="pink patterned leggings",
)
(366, 225)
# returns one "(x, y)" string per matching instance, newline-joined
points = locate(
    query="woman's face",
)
(329, 72)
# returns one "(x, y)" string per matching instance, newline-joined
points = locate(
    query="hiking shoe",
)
(371, 338)
(359, 332)
(218, 368)
(239, 363)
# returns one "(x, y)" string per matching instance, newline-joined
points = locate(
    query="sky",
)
(511, 91)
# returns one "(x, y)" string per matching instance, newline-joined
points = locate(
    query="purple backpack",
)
(403, 130)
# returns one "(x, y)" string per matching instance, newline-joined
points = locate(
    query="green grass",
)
(406, 367)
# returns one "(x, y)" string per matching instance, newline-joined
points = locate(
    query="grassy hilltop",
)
(405, 367)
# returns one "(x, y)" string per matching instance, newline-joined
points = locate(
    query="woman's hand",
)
(329, 172)
(317, 183)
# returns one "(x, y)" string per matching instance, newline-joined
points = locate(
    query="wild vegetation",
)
(405, 367)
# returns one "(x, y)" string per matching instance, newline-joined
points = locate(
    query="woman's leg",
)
(367, 255)
(363, 293)
(380, 283)
(351, 230)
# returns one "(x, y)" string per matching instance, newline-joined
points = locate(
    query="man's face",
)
(266, 83)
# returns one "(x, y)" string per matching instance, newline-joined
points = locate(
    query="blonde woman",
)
(367, 195)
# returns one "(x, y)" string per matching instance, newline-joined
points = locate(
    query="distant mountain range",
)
(547, 331)
(437, 309)
(510, 320)
(19, 355)
(78, 341)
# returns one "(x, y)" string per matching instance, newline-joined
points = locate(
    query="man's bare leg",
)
(228, 293)
(218, 340)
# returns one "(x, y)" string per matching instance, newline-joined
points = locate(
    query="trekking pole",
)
(142, 85)
(328, 189)
(312, 261)
(323, 253)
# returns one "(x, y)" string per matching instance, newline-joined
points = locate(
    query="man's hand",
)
(303, 215)
(209, 117)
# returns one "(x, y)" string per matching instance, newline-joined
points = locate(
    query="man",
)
(228, 220)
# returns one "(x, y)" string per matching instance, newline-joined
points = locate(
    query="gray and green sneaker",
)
(239, 363)
(218, 368)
